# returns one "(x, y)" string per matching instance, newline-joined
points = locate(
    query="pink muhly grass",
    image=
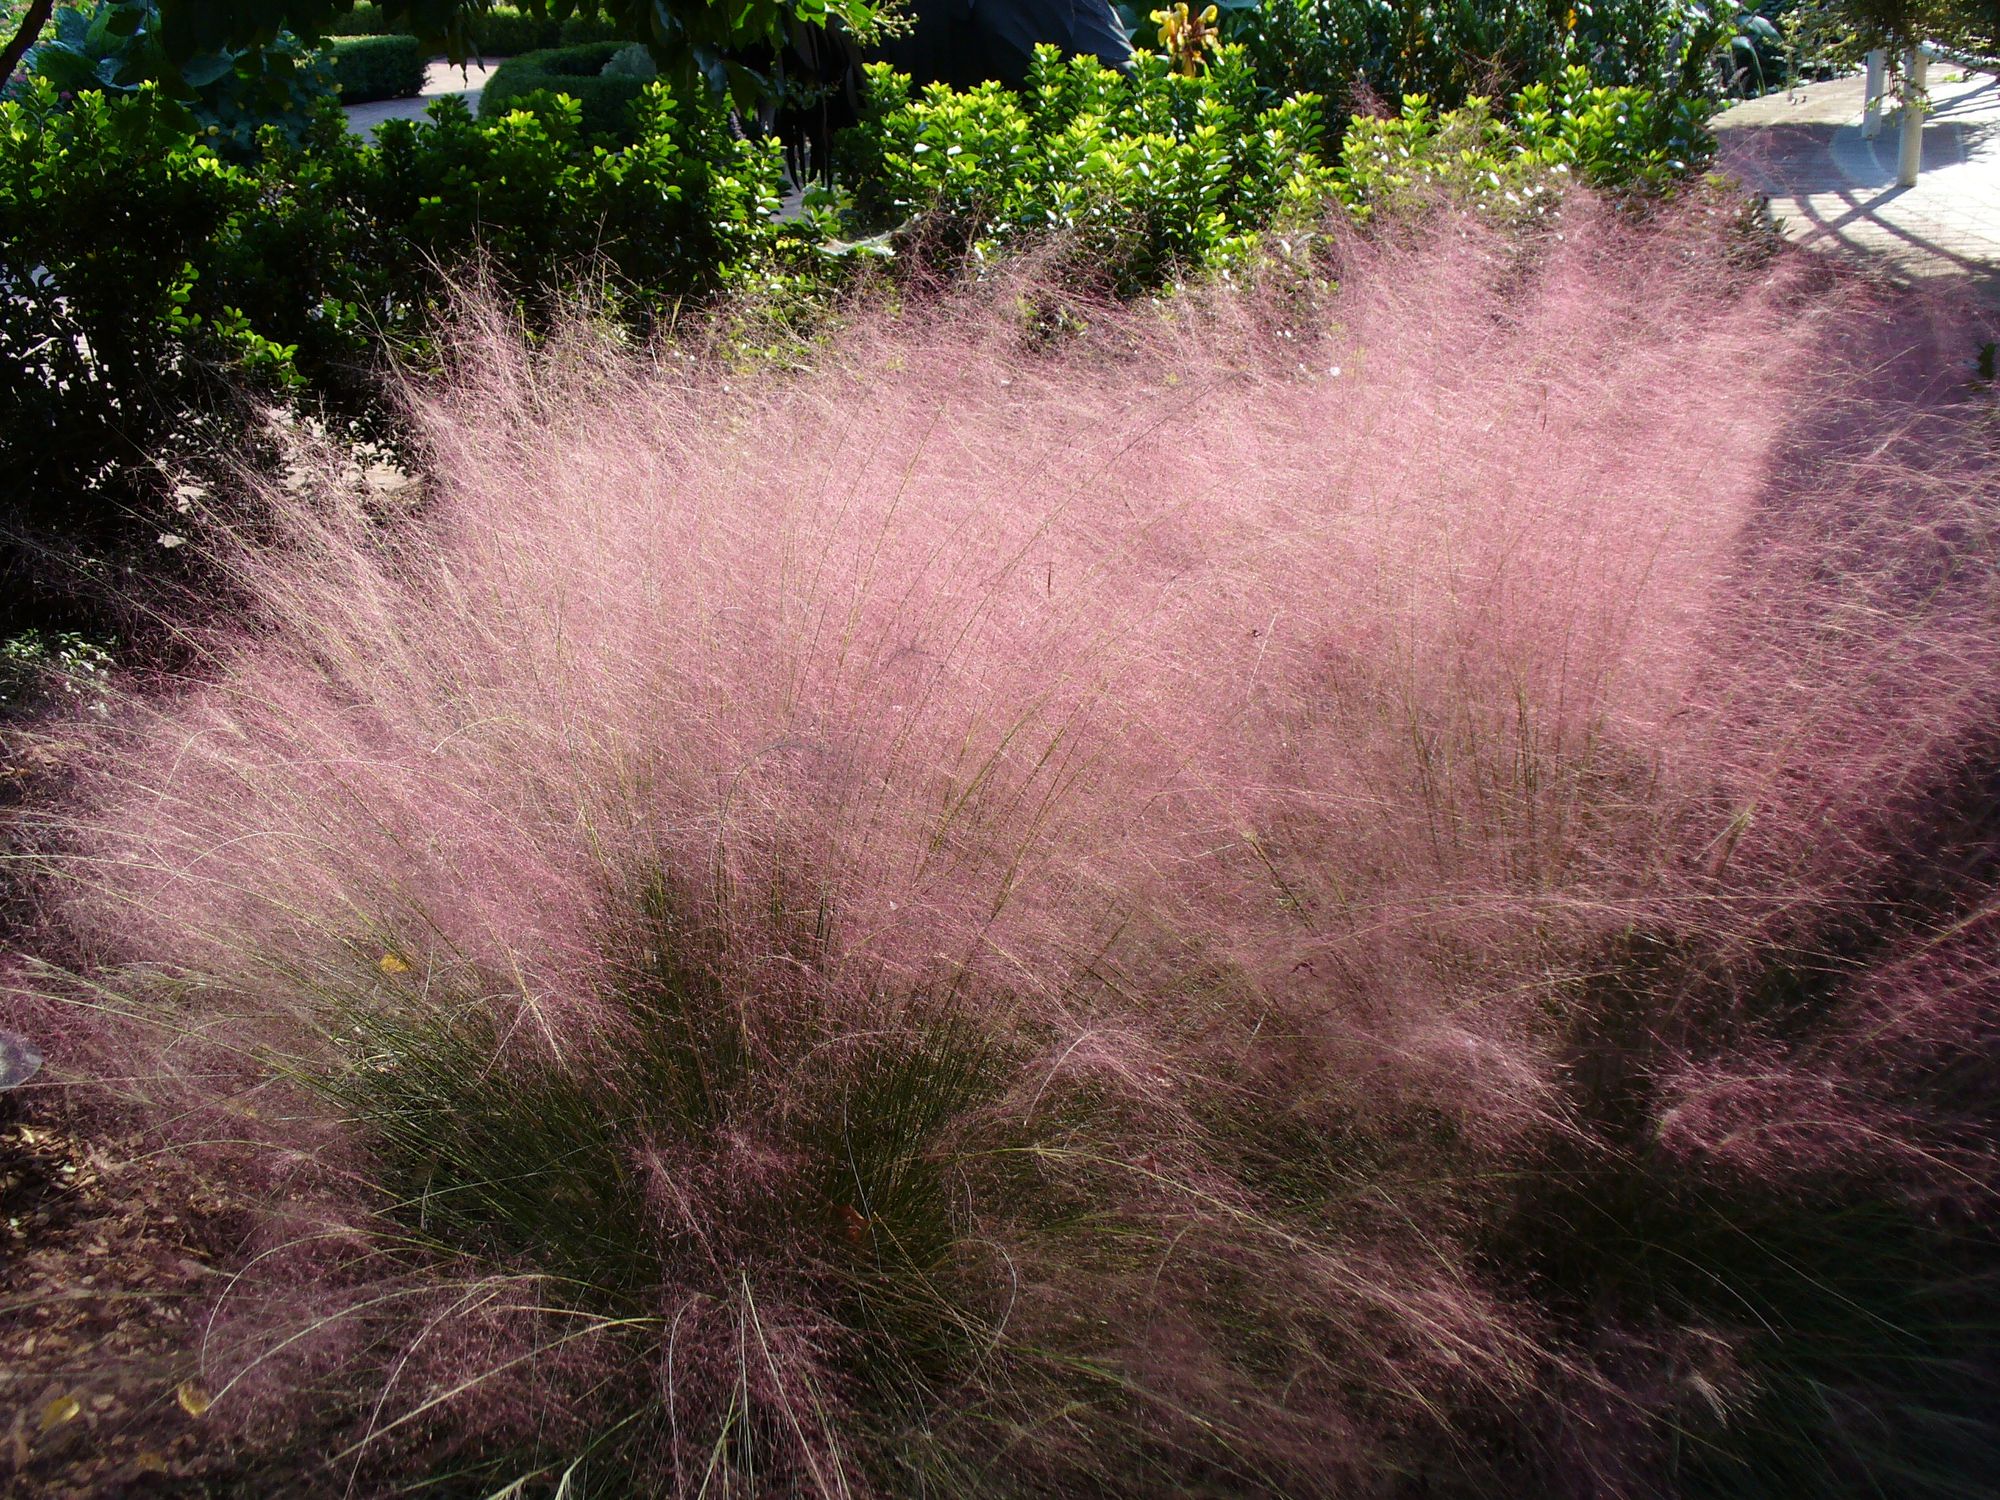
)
(1298, 762)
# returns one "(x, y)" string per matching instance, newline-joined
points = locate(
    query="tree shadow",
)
(1840, 189)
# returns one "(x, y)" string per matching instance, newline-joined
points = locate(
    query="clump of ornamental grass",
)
(1379, 887)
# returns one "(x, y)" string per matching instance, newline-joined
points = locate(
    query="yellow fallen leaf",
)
(193, 1399)
(62, 1409)
(149, 1462)
(390, 964)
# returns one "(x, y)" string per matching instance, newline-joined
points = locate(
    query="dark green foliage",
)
(500, 32)
(504, 32)
(377, 67)
(1861, 1302)
(720, 47)
(803, 1132)
(1863, 1310)
(365, 19)
(150, 278)
(1970, 24)
(685, 207)
(961, 1239)
(575, 71)
(1453, 51)
(535, 1166)
(117, 46)
(112, 335)
(196, 27)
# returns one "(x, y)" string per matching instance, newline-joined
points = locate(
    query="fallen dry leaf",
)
(65, 1408)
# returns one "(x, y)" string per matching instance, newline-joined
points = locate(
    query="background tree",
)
(722, 43)
(27, 26)
(1839, 33)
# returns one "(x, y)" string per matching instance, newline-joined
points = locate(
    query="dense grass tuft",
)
(1379, 889)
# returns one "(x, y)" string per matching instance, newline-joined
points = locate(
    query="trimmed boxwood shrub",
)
(500, 32)
(377, 67)
(576, 71)
(508, 33)
(366, 19)
(580, 29)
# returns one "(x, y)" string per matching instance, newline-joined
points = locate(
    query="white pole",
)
(1915, 64)
(1871, 105)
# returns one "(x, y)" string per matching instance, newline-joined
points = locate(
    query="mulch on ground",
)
(105, 1273)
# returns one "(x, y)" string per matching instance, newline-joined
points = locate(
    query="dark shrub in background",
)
(147, 283)
(575, 71)
(367, 68)
(500, 32)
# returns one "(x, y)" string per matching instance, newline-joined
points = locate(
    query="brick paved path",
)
(1833, 190)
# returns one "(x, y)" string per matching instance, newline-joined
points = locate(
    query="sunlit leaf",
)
(65, 1408)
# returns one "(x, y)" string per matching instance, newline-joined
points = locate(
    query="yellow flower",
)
(1184, 37)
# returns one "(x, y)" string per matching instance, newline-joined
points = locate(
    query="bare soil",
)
(106, 1258)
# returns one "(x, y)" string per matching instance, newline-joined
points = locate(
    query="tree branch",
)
(31, 27)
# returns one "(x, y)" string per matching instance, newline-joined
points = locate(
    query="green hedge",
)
(508, 33)
(575, 71)
(145, 276)
(377, 67)
(501, 32)
(366, 19)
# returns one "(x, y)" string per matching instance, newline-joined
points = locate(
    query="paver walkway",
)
(440, 78)
(1832, 189)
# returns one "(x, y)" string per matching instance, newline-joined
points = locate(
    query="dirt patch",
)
(106, 1265)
